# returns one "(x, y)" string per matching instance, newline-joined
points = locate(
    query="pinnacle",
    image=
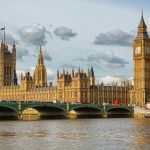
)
(14, 44)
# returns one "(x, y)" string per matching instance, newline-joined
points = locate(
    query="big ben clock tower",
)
(141, 62)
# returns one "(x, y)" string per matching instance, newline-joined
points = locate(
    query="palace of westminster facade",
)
(77, 87)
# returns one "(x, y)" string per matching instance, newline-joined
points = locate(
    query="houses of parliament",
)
(77, 86)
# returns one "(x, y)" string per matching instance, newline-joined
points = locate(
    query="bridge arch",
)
(47, 111)
(87, 111)
(8, 113)
(119, 112)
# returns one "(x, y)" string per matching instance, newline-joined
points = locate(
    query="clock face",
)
(148, 50)
(138, 50)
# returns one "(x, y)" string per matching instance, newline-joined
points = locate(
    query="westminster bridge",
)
(46, 110)
(16, 110)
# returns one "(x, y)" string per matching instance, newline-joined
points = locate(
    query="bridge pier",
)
(104, 115)
(72, 115)
(19, 116)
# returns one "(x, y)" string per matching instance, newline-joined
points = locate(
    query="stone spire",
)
(40, 57)
(40, 75)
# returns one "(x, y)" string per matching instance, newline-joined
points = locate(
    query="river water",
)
(79, 134)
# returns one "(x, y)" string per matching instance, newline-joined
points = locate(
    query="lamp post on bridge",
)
(19, 110)
(67, 109)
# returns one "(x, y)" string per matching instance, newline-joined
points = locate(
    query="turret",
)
(72, 72)
(14, 56)
(6, 47)
(21, 76)
(63, 71)
(67, 72)
(2, 47)
(82, 70)
(88, 72)
(92, 72)
(14, 48)
(57, 74)
(27, 81)
(91, 76)
(15, 82)
(79, 71)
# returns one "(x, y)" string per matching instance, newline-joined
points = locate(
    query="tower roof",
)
(142, 22)
(142, 29)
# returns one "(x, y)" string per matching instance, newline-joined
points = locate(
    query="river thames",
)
(79, 134)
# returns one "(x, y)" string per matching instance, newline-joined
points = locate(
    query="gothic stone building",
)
(79, 86)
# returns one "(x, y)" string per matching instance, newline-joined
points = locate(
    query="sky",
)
(74, 33)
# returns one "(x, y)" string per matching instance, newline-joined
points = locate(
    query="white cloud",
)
(64, 33)
(111, 60)
(68, 66)
(19, 72)
(50, 73)
(115, 37)
(34, 34)
(47, 56)
(110, 79)
(21, 53)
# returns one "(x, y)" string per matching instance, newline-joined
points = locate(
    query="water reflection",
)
(7, 133)
(142, 134)
(30, 114)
